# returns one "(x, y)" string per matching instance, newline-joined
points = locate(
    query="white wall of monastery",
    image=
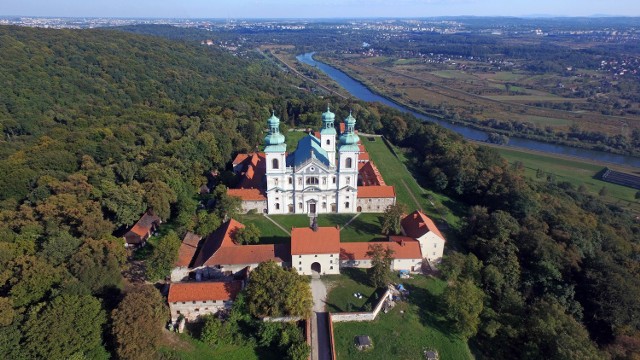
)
(432, 246)
(329, 263)
(192, 309)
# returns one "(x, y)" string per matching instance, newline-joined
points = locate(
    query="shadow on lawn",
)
(363, 227)
(428, 306)
(356, 275)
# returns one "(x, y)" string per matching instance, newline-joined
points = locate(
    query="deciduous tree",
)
(463, 303)
(391, 219)
(164, 256)
(380, 271)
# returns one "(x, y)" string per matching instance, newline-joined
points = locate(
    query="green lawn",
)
(408, 191)
(343, 286)
(184, 347)
(573, 171)
(365, 227)
(407, 330)
(269, 232)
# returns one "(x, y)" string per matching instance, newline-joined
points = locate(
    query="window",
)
(299, 256)
(348, 163)
(346, 205)
(275, 182)
(330, 267)
(183, 303)
(312, 180)
(435, 246)
(178, 312)
(194, 302)
(328, 142)
(300, 268)
(434, 253)
(324, 205)
(277, 206)
(290, 181)
(348, 179)
(334, 179)
(197, 309)
(324, 181)
(331, 255)
(275, 164)
(299, 262)
(300, 206)
(316, 255)
(299, 181)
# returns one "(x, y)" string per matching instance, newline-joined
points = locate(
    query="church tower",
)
(275, 148)
(328, 135)
(348, 167)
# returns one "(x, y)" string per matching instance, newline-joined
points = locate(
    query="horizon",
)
(315, 9)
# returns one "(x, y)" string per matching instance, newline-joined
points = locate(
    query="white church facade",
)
(321, 176)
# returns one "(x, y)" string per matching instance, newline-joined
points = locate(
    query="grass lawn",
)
(184, 347)
(365, 227)
(408, 191)
(407, 330)
(343, 286)
(573, 171)
(269, 232)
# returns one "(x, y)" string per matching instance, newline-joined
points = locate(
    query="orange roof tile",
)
(317, 134)
(325, 240)
(249, 254)
(240, 158)
(406, 248)
(201, 291)
(417, 224)
(222, 237)
(370, 175)
(363, 156)
(187, 249)
(252, 176)
(381, 191)
(247, 194)
(140, 230)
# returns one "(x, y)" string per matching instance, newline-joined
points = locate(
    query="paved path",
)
(320, 349)
(278, 225)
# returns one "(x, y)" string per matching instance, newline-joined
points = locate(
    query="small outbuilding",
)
(363, 342)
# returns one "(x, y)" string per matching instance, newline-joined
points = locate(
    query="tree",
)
(32, 278)
(249, 234)
(274, 291)
(212, 331)
(68, 326)
(380, 271)
(137, 323)
(164, 256)
(463, 303)
(97, 264)
(391, 219)
(159, 196)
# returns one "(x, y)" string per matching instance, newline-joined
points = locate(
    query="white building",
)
(200, 298)
(320, 176)
(315, 250)
(406, 254)
(420, 227)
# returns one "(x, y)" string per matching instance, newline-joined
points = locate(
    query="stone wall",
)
(361, 316)
(258, 205)
(192, 309)
(374, 205)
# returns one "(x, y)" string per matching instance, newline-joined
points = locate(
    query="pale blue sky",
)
(315, 8)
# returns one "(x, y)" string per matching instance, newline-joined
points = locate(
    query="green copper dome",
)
(274, 137)
(349, 137)
(328, 119)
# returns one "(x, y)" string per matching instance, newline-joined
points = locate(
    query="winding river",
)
(361, 92)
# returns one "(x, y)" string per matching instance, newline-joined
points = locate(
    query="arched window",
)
(348, 163)
(275, 164)
(290, 180)
(277, 206)
(346, 205)
(328, 142)
(275, 181)
(312, 180)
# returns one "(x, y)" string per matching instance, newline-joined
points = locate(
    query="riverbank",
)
(358, 90)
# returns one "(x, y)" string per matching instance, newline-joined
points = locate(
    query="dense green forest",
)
(100, 125)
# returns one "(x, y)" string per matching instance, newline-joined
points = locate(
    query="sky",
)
(316, 8)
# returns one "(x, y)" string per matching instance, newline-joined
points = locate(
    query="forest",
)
(100, 125)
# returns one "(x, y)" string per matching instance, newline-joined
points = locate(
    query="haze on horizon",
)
(316, 8)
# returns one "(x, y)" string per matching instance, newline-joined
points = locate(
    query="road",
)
(320, 348)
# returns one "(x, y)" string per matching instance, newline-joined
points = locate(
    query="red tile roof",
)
(247, 194)
(418, 224)
(405, 248)
(363, 156)
(240, 158)
(222, 237)
(249, 254)
(143, 227)
(370, 175)
(188, 249)
(201, 291)
(325, 240)
(253, 173)
(382, 191)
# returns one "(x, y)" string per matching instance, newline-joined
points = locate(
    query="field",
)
(406, 331)
(575, 172)
(343, 286)
(184, 347)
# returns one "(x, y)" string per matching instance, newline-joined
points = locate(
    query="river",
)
(361, 92)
